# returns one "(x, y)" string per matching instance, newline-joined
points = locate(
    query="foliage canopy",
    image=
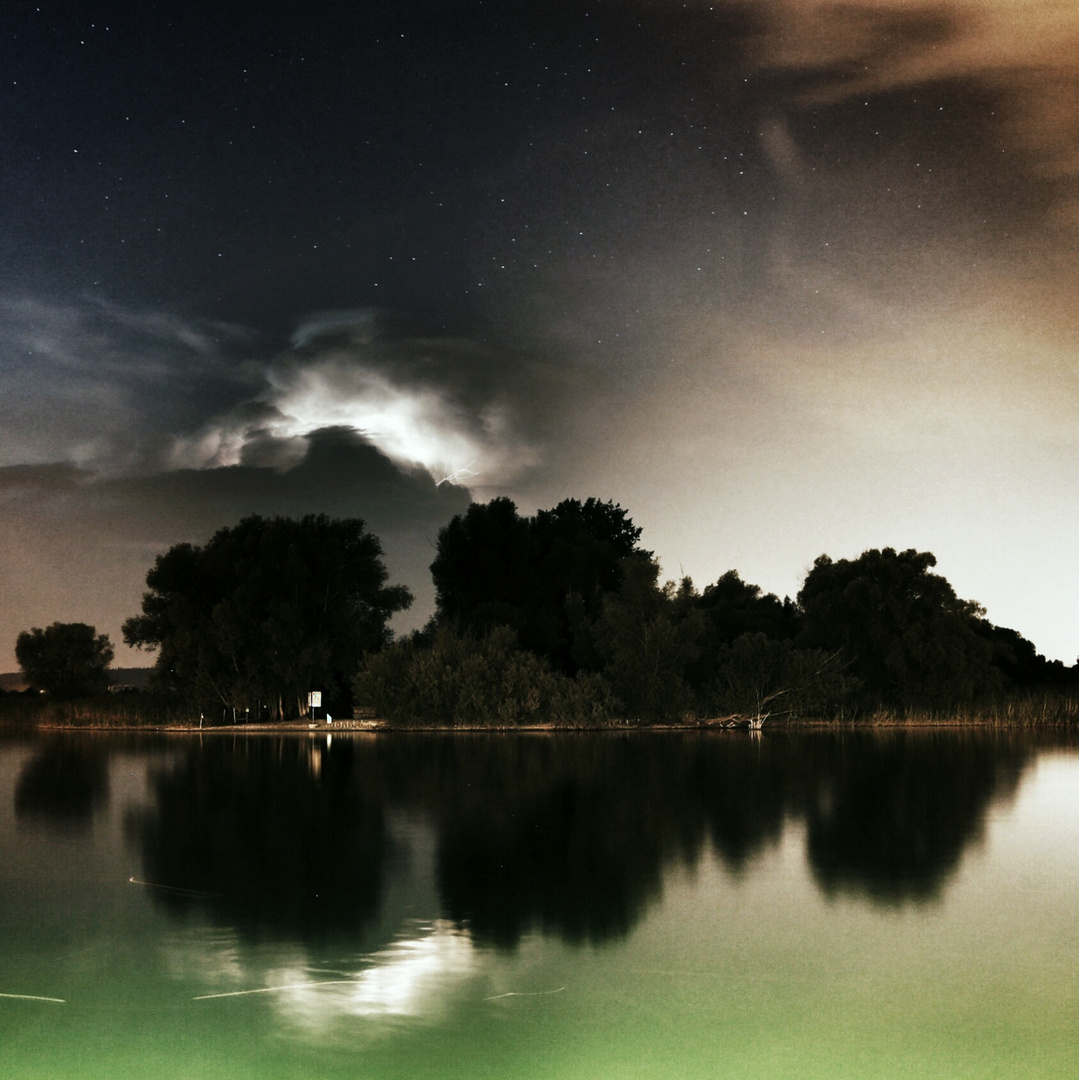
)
(65, 659)
(267, 610)
(542, 576)
(907, 636)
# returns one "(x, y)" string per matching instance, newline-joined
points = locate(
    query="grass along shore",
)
(146, 711)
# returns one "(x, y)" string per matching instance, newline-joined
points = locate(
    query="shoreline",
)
(381, 727)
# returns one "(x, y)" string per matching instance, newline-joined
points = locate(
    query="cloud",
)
(124, 432)
(96, 384)
(1022, 53)
(889, 43)
(124, 392)
(430, 403)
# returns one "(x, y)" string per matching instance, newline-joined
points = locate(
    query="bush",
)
(467, 680)
(757, 675)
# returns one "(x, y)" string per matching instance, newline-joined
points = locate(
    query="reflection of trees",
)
(566, 834)
(744, 789)
(64, 784)
(573, 835)
(890, 817)
(272, 837)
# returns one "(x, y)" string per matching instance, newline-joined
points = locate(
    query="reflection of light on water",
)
(410, 978)
(210, 957)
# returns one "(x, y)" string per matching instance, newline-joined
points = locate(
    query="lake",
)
(899, 904)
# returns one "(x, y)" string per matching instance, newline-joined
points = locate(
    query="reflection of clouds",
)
(210, 957)
(412, 977)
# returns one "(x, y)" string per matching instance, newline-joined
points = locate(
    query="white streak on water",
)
(273, 989)
(525, 993)
(172, 888)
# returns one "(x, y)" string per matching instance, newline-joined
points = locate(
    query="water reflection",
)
(568, 835)
(893, 820)
(275, 837)
(562, 835)
(63, 785)
(414, 974)
(409, 977)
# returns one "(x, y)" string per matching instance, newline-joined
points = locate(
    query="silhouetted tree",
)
(267, 610)
(648, 635)
(448, 676)
(1020, 662)
(907, 636)
(544, 576)
(761, 676)
(730, 609)
(65, 659)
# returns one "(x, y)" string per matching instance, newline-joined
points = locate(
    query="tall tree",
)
(732, 608)
(65, 659)
(544, 576)
(482, 567)
(907, 636)
(267, 610)
(648, 635)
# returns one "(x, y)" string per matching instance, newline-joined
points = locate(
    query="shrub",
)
(467, 680)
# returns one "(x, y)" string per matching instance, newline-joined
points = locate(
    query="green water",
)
(638, 906)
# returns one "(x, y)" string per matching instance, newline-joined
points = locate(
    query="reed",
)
(102, 711)
(1021, 709)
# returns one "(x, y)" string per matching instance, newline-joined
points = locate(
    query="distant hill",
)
(121, 676)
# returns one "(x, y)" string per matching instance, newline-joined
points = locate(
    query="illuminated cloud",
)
(118, 391)
(879, 44)
(421, 401)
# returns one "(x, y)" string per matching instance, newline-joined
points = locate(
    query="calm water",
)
(638, 906)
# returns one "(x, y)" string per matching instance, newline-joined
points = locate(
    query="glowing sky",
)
(782, 277)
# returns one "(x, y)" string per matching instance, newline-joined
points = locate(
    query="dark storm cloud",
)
(454, 407)
(340, 474)
(75, 547)
(124, 391)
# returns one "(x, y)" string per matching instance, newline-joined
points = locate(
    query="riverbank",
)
(373, 727)
(151, 712)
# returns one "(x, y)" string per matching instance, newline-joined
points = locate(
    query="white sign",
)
(314, 699)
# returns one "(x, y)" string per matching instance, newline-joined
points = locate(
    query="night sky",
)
(781, 277)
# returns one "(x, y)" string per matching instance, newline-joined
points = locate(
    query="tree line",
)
(559, 617)
(562, 617)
